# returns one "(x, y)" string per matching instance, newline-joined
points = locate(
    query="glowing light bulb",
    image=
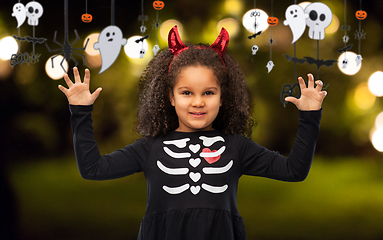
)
(255, 20)
(133, 49)
(8, 46)
(56, 72)
(375, 83)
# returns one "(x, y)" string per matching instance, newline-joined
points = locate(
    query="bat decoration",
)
(254, 35)
(142, 39)
(346, 48)
(33, 12)
(295, 59)
(67, 47)
(320, 62)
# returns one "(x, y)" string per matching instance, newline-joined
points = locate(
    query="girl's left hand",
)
(311, 98)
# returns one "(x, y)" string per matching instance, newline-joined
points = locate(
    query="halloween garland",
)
(33, 11)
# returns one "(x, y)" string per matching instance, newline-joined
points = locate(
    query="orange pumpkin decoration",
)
(158, 5)
(272, 21)
(361, 15)
(86, 18)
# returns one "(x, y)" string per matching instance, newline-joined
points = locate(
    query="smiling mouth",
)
(197, 114)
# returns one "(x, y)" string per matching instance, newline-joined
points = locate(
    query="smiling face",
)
(196, 97)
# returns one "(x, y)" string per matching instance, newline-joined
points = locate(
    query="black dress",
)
(192, 178)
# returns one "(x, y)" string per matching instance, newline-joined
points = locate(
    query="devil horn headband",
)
(176, 45)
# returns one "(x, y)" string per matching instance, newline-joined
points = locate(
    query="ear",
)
(171, 97)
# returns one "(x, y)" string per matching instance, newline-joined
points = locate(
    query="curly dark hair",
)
(157, 116)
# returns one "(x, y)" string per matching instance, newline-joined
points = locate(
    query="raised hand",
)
(78, 92)
(311, 98)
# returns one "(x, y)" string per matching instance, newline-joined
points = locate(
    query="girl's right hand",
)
(78, 92)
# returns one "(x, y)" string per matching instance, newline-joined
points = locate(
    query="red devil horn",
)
(221, 42)
(174, 41)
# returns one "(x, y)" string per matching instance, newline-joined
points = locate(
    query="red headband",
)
(176, 46)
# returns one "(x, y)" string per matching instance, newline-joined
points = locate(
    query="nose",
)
(198, 101)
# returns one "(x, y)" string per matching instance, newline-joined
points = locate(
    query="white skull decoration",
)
(34, 11)
(156, 48)
(320, 17)
(254, 49)
(344, 63)
(142, 53)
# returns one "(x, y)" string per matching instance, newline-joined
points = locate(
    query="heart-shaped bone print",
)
(194, 148)
(195, 176)
(194, 162)
(195, 189)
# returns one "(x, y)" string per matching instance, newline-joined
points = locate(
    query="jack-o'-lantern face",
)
(361, 15)
(158, 5)
(272, 21)
(86, 17)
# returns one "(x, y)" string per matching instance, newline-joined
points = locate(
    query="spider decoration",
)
(67, 48)
(360, 35)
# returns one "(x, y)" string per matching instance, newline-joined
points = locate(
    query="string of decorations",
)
(86, 17)
(157, 5)
(67, 48)
(33, 11)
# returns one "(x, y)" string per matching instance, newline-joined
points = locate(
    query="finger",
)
(87, 76)
(319, 85)
(323, 94)
(302, 83)
(76, 74)
(68, 82)
(96, 93)
(311, 80)
(292, 100)
(63, 89)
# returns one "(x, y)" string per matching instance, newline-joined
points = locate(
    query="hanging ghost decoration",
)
(19, 13)
(320, 17)
(109, 44)
(296, 20)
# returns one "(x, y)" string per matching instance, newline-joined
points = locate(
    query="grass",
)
(340, 199)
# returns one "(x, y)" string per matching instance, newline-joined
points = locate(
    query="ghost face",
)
(196, 98)
(156, 48)
(34, 11)
(19, 13)
(320, 17)
(109, 44)
(296, 19)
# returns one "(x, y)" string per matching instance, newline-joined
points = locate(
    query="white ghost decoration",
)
(296, 20)
(254, 49)
(156, 48)
(358, 59)
(320, 17)
(34, 11)
(109, 44)
(269, 66)
(19, 13)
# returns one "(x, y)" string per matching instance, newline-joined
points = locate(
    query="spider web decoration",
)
(67, 47)
(157, 23)
(33, 11)
(110, 42)
(360, 34)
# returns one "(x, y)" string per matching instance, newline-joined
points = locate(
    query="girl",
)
(194, 117)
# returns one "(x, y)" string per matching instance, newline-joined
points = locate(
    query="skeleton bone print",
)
(187, 150)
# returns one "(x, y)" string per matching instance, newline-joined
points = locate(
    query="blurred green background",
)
(44, 197)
